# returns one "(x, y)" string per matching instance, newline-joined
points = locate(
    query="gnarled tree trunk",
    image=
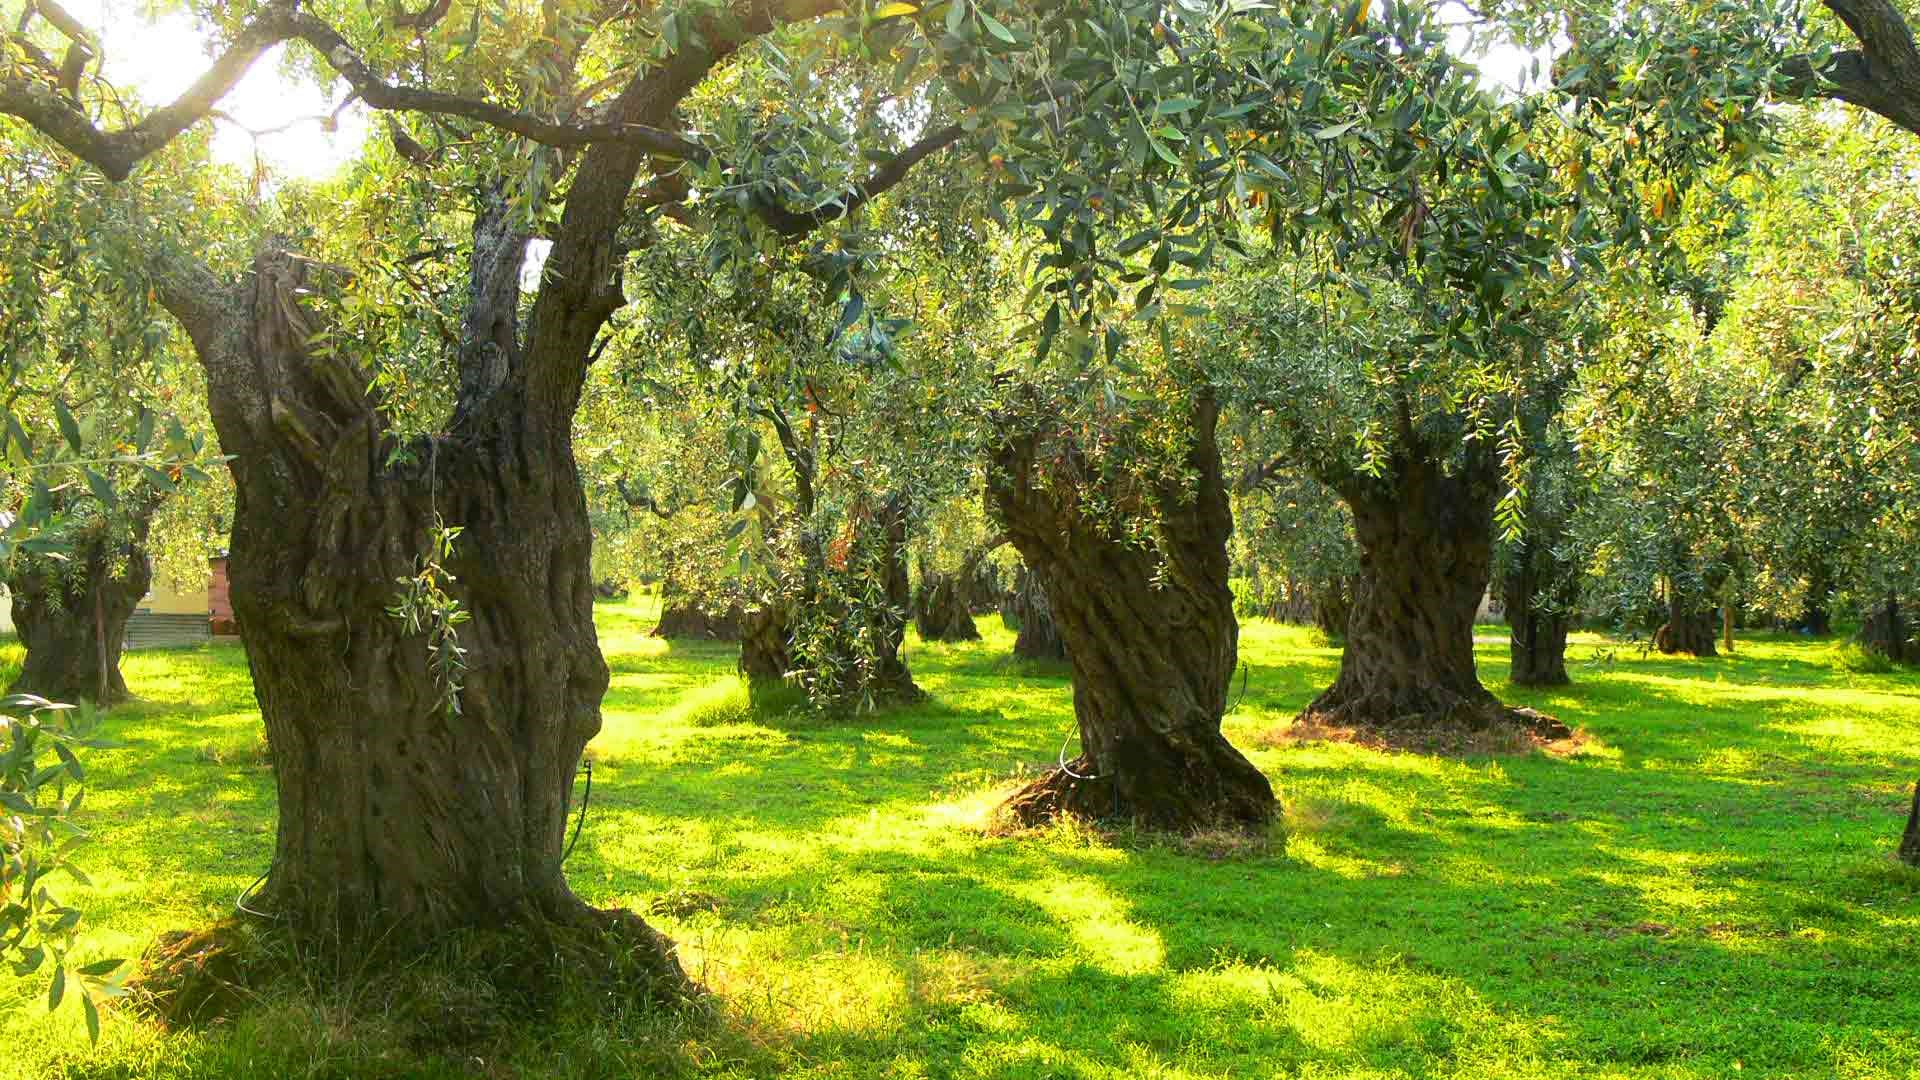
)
(837, 622)
(943, 609)
(766, 653)
(886, 676)
(686, 616)
(408, 809)
(1026, 609)
(688, 619)
(1887, 631)
(1332, 606)
(1688, 629)
(1151, 636)
(1540, 593)
(71, 613)
(1426, 552)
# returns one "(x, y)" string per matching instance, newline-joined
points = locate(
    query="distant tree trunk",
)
(1028, 611)
(1886, 631)
(1153, 652)
(1426, 553)
(1815, 617)
(1910, 840)
(1332, 606)
(688, 619)
(1539, 596)
(837, 622)
(766, 653)
(943, 609)
(686, 616)
(888, 677)
(71, 613)
(1688, 629)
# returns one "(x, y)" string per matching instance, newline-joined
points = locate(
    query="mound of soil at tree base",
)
(463, 990)
(1528, 731)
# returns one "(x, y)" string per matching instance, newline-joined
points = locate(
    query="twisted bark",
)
(1150, 633)
(1540, 593)
(1888, 632)
(1688, 629)
(1426, 553)
(943, 608)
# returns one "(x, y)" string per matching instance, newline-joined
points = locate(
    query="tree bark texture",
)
(1889, 632)
(1027, 610)
(1426, 551)
(766, 642)
(1910, 839)
(943, 608)
(1688, 629)
(71, 614)
(1150, 633)
(401, 819)
(690, 617)
(1540, 593)
(941, 611)
(836, 623)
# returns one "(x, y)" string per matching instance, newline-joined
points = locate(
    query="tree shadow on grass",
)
(1701, 887)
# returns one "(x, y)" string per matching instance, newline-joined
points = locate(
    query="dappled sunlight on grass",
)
(1703, 881)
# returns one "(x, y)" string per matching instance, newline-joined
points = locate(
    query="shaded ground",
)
(1699, 887)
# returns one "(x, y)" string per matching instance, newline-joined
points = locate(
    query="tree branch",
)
(791, 223)
(115, 153)
(643, 499)
(1882, 76)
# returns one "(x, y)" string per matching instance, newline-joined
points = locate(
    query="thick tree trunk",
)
(691, 619)
(1332, 606)
(941, 611)
(766, 636)
(1426, 551)
(1890, 633)
(888, 677)
(686, 616)
(406, 814)
(837, 623)
(1687, 630)
(1815, 620)
(1539, 597)
(1026, 610)
(1151, 636)
(71, 614)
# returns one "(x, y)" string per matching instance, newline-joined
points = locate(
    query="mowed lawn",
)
(1702, 889)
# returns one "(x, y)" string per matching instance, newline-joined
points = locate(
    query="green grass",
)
(1703, 888)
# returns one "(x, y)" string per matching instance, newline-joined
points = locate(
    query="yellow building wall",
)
(167, 602)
